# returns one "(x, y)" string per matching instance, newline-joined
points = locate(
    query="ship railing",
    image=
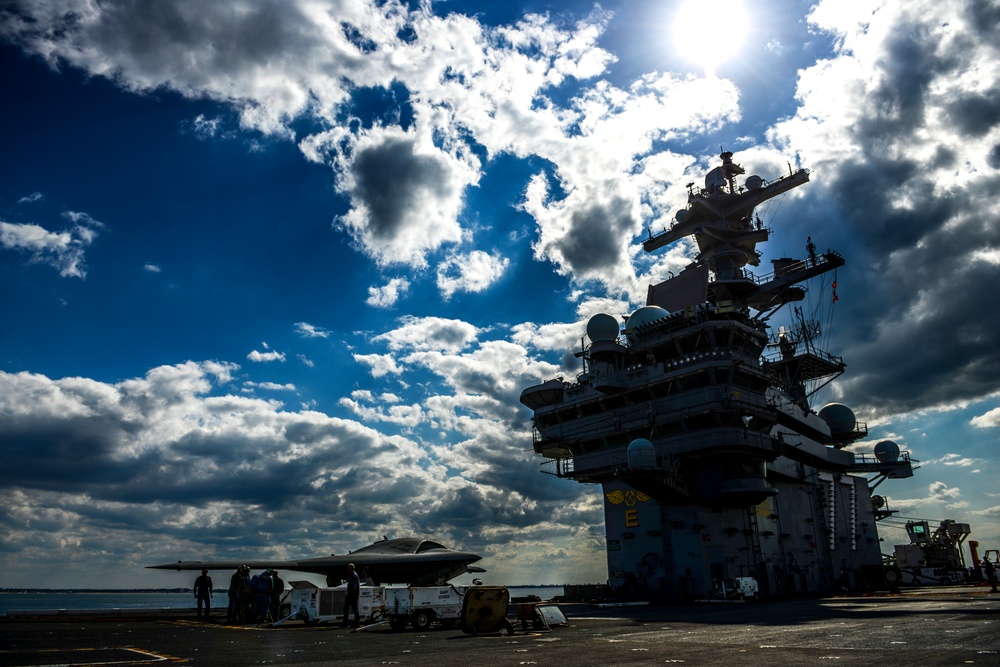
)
(801, 265)
(792, 267)
(568, 467)
(757, 225)
(734, 275)
(636, 416)
(682, 319)
(677, 320)
(776, 356)
(615, 461)
(707, 193)
(872, 459)
(552, 467)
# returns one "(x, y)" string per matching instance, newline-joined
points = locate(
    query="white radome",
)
(602, 327)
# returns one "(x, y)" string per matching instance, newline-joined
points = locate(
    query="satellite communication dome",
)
(641, 454)
(754, 182)
(839, 418)
(645, 315)
(602, 327)
(681, 215)
(887, 451)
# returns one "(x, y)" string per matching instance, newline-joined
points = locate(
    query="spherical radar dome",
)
(839, 418)
(641, 454)
(887, 451)
(645, 315)
(602, 327)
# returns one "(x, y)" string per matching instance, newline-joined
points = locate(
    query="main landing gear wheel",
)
(893, 577)
(422, 620)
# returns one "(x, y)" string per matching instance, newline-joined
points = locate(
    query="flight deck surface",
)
(925, 626)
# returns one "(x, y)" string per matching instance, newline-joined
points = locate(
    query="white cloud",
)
(988, 255)
(954, 460)
(270, 386)
(901, 127)
(151, 268)
(938, 494)
(990, 419)
(387, 295)
(472, 272)
(558, 337)
(405, 192)
(32, 198)
(486, 380)
(151, 456)
(402, 415)
(588, 234)
(307, 330)
(63, 250)
(429, 333)
(380, 364)
(264, 357)
(206, 128)
(990, 512)
(273, 60)
(502, 89)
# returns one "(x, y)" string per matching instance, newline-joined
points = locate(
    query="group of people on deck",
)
(254, 599)
(257, 599)
(251, 599)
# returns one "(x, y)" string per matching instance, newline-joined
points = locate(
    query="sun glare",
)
(709, 34)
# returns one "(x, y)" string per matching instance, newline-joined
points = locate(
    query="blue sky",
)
(275, 273)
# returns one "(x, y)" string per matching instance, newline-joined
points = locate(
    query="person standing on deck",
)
(353, 593)
(261, 586)
(237, 594)
(203, 593)
(277, 589)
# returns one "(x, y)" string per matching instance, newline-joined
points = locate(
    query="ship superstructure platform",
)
(694, 416)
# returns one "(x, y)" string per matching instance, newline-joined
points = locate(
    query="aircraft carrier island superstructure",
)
(695, 418)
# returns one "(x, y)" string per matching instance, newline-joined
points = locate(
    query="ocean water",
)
(109, 600)
(129, 600)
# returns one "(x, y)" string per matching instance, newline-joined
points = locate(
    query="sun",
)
(709, 34)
